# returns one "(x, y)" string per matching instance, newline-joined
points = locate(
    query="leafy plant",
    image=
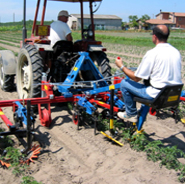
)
(156, 151)
(29, 180)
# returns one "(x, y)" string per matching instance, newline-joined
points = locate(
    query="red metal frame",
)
(45, 114)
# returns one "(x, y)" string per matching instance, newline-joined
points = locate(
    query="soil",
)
(76, 156)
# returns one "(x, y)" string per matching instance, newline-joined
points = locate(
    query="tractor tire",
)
(102, 62)
(29, 72)
(6, 81)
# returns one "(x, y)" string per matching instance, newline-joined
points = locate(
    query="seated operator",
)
(160, 65)
(59, 30)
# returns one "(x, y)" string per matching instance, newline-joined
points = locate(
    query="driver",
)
(59, 30)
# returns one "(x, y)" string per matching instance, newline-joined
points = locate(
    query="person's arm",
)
(127, 71)
(69, 37)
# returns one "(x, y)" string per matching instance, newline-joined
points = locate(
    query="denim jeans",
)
(130, 89)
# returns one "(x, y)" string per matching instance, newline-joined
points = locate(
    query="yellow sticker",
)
(75, 68)
(111, 87)
(45, 87)
(42, 30)
(1, 113)
(101, 102)
(111, 123)
(172, 98)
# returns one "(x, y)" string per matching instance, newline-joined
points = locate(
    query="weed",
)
(156, 151)
(29, 180)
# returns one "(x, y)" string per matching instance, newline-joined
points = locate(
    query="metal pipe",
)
(24, 31)
(111, 125)
(43, 12)
(92, 19)
(82, 21)
(35, 18)
(29, 134)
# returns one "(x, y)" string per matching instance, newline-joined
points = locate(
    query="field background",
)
(69, 156)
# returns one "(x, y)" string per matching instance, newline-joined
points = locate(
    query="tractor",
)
(37, 55)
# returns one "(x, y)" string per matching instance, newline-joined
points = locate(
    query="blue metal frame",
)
(22, 113)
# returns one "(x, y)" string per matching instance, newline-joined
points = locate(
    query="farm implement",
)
(86, 96)
(77, 72)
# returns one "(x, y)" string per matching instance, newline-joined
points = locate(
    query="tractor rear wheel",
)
(29, 72)
(6, 81)
(102, 62)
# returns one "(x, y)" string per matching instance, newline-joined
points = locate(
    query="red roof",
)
(180, 14)
(159, 21)
(175, 13)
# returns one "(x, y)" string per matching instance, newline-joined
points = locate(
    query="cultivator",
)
(87, 96)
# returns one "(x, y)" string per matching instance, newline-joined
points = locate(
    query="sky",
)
(12, 10)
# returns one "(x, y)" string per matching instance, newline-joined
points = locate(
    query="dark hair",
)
(160, 34)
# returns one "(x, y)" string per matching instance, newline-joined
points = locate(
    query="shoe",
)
(124, 116)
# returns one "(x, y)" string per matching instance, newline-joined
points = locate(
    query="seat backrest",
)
(168, 97)
(61, 46)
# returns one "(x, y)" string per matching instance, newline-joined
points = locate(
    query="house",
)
(170, 19)
(101, 22)
(151, 23)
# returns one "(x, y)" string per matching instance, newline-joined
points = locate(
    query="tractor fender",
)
(8, 61)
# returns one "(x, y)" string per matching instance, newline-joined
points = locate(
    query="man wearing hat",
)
(161, 66)
(59, 30)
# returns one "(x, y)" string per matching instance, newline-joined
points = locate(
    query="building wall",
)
(103, 24)
(165, 16)
(172, 18)
(72, 21)
(180, 22)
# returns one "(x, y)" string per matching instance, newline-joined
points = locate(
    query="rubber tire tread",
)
(37, 69)
(8, 83)
(103, 63)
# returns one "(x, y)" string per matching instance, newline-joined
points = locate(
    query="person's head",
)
(160, 34)
(63, 16)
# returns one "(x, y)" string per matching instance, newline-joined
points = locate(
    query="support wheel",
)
(29, 72)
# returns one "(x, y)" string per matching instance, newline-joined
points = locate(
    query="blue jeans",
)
(130, 89)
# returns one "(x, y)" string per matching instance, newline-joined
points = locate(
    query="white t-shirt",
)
(163, 65)
(58, 31)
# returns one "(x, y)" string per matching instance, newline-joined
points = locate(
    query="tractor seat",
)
(168, 97)
(61, 46)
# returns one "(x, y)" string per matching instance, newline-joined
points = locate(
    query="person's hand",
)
(119, 62)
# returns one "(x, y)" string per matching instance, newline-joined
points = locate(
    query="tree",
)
(133, 20)
(123, 25)
(144, 18)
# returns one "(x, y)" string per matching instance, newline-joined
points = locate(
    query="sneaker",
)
(124, 116)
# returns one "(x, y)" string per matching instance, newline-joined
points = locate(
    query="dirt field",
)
(70, 156)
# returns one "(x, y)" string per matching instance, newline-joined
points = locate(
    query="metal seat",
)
(168, 97)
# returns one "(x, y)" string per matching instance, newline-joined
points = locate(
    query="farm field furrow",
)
(71, 156)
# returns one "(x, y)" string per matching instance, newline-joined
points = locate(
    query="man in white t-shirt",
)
(160, 65)
(59, 30)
